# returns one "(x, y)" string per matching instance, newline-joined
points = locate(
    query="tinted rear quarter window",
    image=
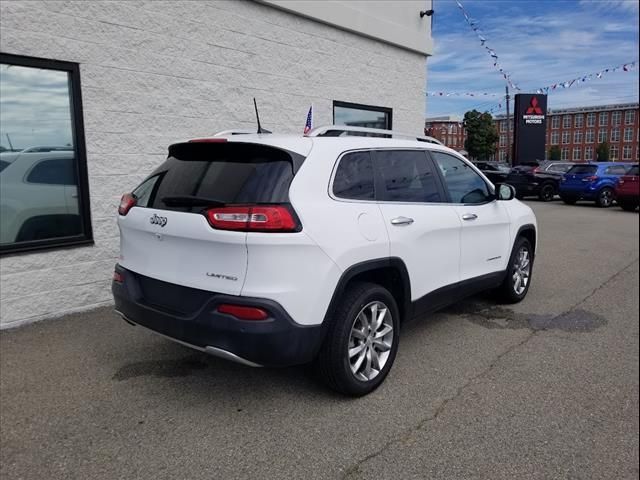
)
(407, 176)
(583, 170)
(231, 173)
(354, 177)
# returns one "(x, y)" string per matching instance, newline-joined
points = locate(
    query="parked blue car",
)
(592, 181)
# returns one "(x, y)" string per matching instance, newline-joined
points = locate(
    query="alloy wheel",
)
(370, 341)
(521, 271)
(606, 197)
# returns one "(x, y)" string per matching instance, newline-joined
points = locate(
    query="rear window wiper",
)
(191, 201)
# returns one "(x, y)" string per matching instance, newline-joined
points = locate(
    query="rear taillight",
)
(620, 181)
(535, 170)
(127, 202)
(592, 178)
(243, 312)
(256, 218)
(118, 277)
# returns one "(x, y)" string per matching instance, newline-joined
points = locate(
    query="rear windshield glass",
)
(201, 175)
(583, 169)
(634, 171)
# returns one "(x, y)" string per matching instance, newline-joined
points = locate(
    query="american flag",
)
(307, 125)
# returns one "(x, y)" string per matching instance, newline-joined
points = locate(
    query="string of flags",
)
(483, 42)
(463, 94)
(625, 67)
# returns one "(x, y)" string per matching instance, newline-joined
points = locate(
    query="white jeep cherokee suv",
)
(275, 250)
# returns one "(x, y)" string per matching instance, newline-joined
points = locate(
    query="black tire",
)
(605, 197)
(627, 206)
(569, 200)
(547, 192)
(333, 363)
(506, 292)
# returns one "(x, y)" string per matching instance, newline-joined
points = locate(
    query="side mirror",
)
(504, 191)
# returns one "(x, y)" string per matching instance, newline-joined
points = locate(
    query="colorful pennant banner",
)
(625, 67)
(463, 94)
(492, 53)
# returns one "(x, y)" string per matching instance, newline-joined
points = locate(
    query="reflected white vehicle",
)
(39, 197)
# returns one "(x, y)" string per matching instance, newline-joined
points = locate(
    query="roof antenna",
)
(260, 129)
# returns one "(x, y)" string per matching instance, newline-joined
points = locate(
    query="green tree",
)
(481, 135)
(602, 152)
(554, 153)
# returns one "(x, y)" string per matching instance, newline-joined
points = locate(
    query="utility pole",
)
(506, 88)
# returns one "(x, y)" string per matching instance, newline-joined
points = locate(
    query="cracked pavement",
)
(547, 388)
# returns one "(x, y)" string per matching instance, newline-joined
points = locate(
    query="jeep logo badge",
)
(157, 220)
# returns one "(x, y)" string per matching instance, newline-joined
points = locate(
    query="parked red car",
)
(628, 190)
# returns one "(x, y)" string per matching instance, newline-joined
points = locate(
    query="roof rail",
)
(341, 130)
(237, 131)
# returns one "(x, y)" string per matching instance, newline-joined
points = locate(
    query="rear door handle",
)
(469, 216)
(402, 221)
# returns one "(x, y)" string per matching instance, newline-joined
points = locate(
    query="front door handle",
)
(469, 216)
(402, 221)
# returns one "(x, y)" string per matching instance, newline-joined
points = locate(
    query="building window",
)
(589, 136)
(588, 153)
(577, 136)
(503, 126)
(616, 117)
(626, 152)
(502, 155)
(503, 140)
(629, 117)
(577, 154)
(603, 119)
(602, 136)
(454, 129)
(628, 134)
(45, 194)
(566, 137)
(356, 115)
(555, 122)
(566, 121)
(591, 119)
(555, 136)
(613, 152)
(564, 153)
(615, 134)
(578, 120)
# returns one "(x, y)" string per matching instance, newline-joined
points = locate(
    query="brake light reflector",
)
(243, 312)
(592, 178)
(256, 218)
(536, 170)
(127, 202)
(118, 277)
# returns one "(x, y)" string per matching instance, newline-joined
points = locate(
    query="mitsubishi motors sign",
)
(530, 125)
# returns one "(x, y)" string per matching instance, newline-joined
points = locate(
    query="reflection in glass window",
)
(354, 177)
(355, 115)
(39, 188)
(463, 183)
(407, 177)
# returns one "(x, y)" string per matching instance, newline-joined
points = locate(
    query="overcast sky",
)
(34, 107)
(538, 43)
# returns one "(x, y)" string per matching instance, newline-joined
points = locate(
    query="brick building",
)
(578, 131)
(447, 129)
(112, 84)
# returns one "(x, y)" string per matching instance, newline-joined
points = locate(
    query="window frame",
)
(79, 152)
(359, 106)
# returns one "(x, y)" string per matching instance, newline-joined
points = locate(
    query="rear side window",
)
(463, 183)
(634, 171)
(407, 176)
(200, 175)
(616, 170)
(354, 177)
(56, 171)
(583, 170)
(559, 167)
(3, 165)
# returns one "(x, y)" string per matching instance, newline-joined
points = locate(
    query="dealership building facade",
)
(94, 92)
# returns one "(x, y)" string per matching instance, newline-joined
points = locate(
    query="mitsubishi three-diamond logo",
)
(533, 114)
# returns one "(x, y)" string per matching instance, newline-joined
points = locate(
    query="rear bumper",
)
(276, 341)
(585, 192)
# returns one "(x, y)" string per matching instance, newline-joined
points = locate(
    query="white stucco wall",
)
(156, 72)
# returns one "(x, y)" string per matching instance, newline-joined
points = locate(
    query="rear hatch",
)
(579, 176)
(187, 223)
(629, 184)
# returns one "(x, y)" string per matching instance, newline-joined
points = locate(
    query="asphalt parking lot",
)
(544, 389)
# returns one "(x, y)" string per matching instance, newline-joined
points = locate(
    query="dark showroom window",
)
(356, 115)
(44, 197)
